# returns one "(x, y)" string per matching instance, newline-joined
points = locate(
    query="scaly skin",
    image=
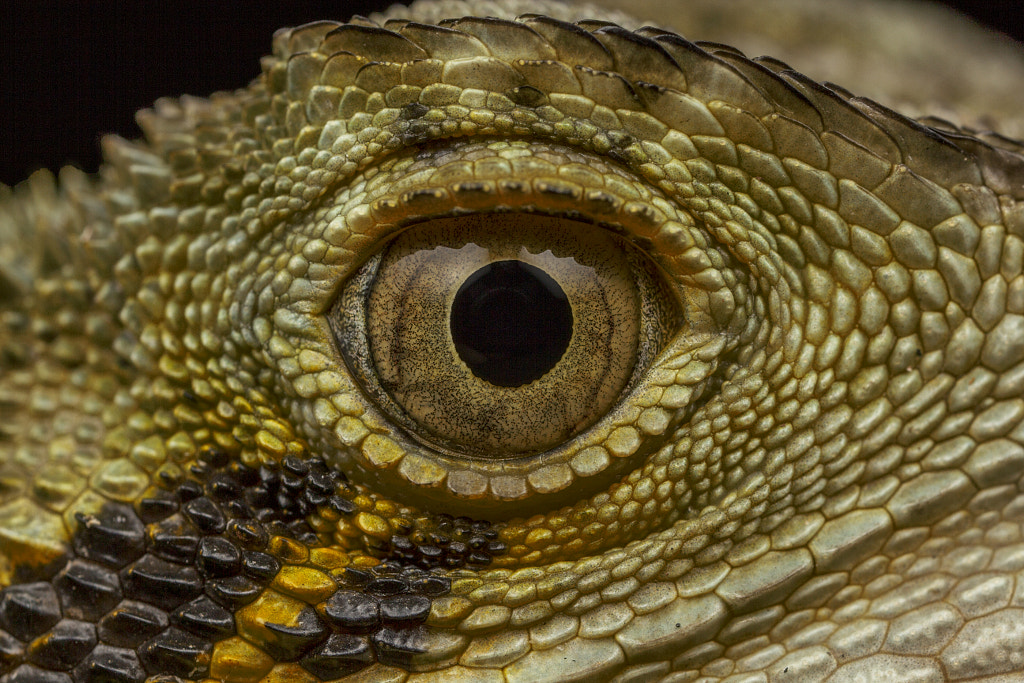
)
(812, 472)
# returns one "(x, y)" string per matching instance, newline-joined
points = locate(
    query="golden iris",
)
(502, 334)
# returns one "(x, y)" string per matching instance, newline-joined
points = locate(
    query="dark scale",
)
(206, 515)
(158, 582)
(64, 646)
(217, 556)
(260, 566)
(161, 505)
(149, 590)
(176, 652)
(353, 611)
(131, 624)
(296, 639)
(404, 610)
(510, 323)
(234, 591)
(174, 539)
(205, 617)
(340, 655)
(28, 610)
(115, 539)
(87, 590)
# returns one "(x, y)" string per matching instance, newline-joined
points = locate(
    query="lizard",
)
(778, 439)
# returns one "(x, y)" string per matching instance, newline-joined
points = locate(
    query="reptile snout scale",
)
(518, 341)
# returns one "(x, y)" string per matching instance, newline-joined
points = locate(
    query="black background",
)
(71, 71)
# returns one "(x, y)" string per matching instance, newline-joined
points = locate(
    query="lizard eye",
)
(497, 335)
(491, 325)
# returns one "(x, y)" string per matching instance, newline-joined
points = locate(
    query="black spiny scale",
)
(67, 629)
(148, 590)
(284, 497)
(115, 538)
(452, 543)
(338, 656)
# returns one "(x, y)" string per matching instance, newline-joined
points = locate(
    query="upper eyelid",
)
(405, 191)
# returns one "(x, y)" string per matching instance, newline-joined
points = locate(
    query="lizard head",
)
(529, 345)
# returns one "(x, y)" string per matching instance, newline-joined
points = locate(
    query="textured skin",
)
(816, 477)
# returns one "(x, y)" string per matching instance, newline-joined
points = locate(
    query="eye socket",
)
(498, 335)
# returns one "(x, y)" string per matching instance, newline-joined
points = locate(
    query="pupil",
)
(511, 323)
